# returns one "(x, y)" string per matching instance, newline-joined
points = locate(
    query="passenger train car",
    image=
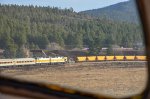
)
(17, 62)
(33, 61)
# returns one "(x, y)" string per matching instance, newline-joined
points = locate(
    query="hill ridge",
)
(123, 11)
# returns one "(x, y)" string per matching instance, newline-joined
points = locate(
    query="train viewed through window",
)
(95, 46)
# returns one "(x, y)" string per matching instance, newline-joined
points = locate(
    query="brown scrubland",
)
(118, 81)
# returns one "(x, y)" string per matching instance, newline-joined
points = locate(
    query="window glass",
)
(90, 45)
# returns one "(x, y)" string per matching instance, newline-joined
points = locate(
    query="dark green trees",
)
(29, 27)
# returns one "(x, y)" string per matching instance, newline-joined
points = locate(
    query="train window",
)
(91, 45)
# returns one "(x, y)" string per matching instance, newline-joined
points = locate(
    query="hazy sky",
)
(77, 5)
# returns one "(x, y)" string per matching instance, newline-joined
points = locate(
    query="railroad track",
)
(27, 67)
(102, 64)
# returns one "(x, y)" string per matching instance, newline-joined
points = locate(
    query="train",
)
(63, 60)
(33, 61)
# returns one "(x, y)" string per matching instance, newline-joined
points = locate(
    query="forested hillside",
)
(124, 11)
(29, 27)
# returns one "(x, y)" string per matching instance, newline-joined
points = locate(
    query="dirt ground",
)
(112, 81)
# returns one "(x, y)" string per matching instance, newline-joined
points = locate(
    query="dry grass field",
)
(115, 81)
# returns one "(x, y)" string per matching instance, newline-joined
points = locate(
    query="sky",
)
(77, 5)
